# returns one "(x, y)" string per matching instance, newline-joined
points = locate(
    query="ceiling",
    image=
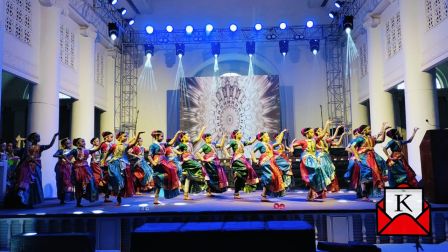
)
(221, 13)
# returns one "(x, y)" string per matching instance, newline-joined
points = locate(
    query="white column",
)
(2, 31)
(420, 94)
(359, 112)
(44, 105)
(107, 117)
(83, 113)
(380, 101)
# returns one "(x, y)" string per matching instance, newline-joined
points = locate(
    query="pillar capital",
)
(371, 21)
(89, 32)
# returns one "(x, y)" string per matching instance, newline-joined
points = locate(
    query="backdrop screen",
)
(223, 104)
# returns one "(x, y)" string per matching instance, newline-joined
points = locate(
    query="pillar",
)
(2, 31)
(83, 113)
(380, 101)
(44, 105)
(420, 93)
(107, 117)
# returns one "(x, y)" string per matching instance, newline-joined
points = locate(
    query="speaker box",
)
(67, 242)
(434, 160)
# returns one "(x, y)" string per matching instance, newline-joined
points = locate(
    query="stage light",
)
(332, 14)
(113, 31)
(122, 11)
(143, 205)
(309, 24)
(216, 48)
(250, 47)
(97, 211)
(130, 21)
(338, 4)
(149, 29)
(189, 29)
(126, 205)
(314, 46)
(233, 27)
(284, 46)
(348, 24)
(283, 26)
(180, 49)
(180, 204)
(40, 213)
(113, 2)
(29, 234)
(149, 49)
(78, 212)
(169, 28)
(258, 27)
(209, 28)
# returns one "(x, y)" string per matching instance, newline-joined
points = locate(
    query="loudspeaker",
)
(67, 242)
(350, 247)
(223, 236)
(434, 160)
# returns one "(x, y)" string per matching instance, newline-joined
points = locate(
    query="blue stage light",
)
(309, 24)
(283, 26)
(258, 27)
(169, 28)
(122, 11)
(149, 29)
(189, 29)
(209, 28)
(233, 27)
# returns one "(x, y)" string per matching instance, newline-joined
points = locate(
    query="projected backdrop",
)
(251, 104)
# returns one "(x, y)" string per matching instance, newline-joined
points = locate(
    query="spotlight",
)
(250, 47)
(332, 14)
(314, 46)
(209, 28)
(258, 27)
(189, 29)
(149, 49)
(113, 2)
(169, 28)
(338, 4)
(113, 30)
(122, 11)
(284, 46)
(309, 24)
(216, 48)
(149, 29)
(283, 26)
(233, 27)
(180, 49)
(130, 21)
(348, 24)
(298, 37)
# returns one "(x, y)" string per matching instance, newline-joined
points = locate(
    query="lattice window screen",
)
(67, 46)
(393, 35)
(363, 59)
(436, 11)
(99, 68)
(18, 19)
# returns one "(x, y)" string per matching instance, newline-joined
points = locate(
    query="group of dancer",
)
(123, 168)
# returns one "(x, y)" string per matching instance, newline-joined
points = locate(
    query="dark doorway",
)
(65, 115)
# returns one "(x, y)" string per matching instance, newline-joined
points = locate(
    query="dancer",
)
(371, 165)
(141, 171)
(30, 175)
(400, 173)
(195, 177)
(120, 176)
(244, 176)
(173, 156)
(165, 173)
(104, 185)
(323, 154)
(352, 173)
(63, 170)
(13, 161)
(95, 162)
(283, 162)
(215, 175)
(271, 177)
(83, 177)
(310, 167)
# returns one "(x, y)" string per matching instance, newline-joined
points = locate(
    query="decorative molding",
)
(83, 9)
(371, 21)
(89, 32)
(47, 3)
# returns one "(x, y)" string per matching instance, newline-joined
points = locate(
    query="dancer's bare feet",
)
(236, 196)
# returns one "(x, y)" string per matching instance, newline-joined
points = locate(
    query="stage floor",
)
(343, 201)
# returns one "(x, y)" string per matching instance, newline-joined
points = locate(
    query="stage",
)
(340, 216)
